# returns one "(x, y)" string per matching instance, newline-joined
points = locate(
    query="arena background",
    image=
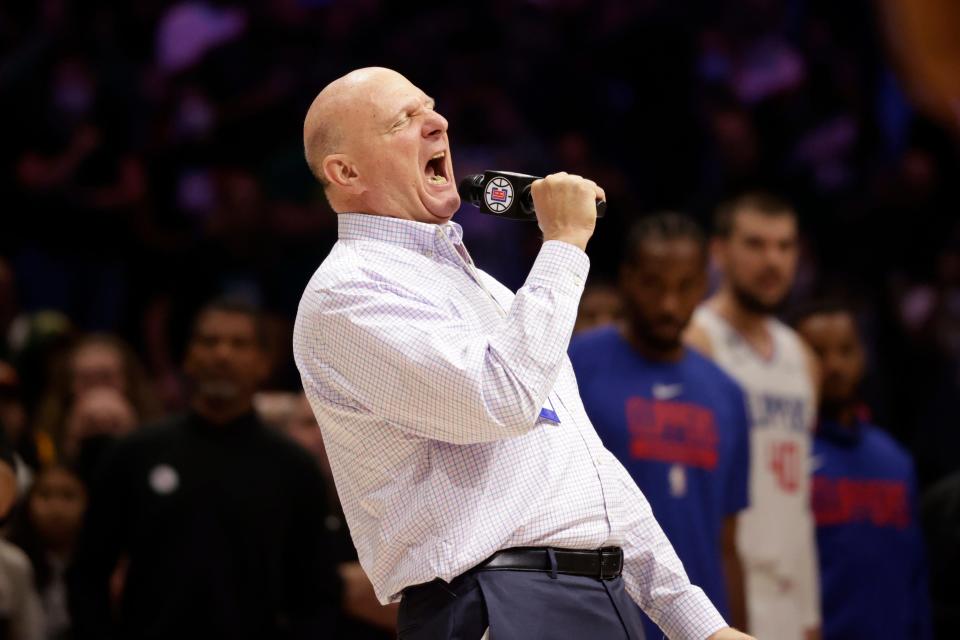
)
(152, 158)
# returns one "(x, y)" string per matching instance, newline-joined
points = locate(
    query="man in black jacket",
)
(219, 519)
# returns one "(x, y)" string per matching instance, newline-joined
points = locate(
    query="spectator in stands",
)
(96, 361)
(220, 518)
(46, 529)
(96, 419)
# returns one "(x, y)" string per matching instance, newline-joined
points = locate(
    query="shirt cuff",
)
(560, 265)
(691, 616)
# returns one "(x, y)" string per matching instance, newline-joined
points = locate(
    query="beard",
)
(661, 342)
(219, 390)
(753, 304)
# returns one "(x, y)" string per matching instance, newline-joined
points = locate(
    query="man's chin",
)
(760, 305)
(445, 208)
(219, 390)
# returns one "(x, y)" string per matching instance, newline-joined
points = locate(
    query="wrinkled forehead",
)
(378, 103)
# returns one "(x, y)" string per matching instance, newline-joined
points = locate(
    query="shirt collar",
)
(418, 236)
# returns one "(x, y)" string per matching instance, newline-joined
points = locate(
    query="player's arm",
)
(696, 337)
(733, 573)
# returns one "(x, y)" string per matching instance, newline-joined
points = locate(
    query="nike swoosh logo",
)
(816, 462)
(667, 391)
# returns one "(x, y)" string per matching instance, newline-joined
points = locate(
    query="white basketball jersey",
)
(775, 534)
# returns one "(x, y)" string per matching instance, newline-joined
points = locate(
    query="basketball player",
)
(673, 418)
(756, 249)
(874, 578)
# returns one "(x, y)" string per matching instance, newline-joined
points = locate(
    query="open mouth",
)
(436, 169)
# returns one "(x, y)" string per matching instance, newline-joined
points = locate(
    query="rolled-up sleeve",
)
(423, 367)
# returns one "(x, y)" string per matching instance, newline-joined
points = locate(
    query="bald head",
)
(375, 142)
(347, 98)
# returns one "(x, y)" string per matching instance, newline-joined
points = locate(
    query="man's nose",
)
(222, 350)
(434, 124)
(670, 305)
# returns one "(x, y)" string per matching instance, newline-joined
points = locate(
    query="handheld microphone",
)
(505, 194)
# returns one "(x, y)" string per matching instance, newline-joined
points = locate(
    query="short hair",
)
(235, 306)
(665, 225)
(319, 146)
(762, 202)
(819, 307)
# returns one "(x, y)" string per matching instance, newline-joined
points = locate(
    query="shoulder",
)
(706, 368)
(798, 349)
(883, 447)
(150, 435)
(136, 449)
(362, 280)
(726, 393)
(355, 267)
(166, 428)
(595, 345)
(14, 560)
(285, 452)
(697, 335)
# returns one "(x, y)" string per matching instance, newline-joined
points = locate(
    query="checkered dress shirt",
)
(428, 378)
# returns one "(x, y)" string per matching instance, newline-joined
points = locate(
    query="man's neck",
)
(650, 351)
(221, 412)
(748, 323)
(843, 414)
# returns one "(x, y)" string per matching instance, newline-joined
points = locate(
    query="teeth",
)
(438, 179)
(438, 155)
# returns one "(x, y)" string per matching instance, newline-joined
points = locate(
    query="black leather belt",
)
(602, 564)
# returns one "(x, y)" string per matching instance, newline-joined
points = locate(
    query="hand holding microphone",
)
(565, 206)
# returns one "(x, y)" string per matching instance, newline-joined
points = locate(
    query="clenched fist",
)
(566, 207)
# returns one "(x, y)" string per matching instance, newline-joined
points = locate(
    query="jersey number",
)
(785, 464)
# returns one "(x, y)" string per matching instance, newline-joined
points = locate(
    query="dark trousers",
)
(519, 605)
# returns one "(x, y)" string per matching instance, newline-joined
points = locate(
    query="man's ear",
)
(340, 170)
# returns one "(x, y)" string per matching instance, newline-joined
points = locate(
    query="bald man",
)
(476, 490)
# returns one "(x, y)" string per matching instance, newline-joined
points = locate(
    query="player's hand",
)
(729, 633)
(566, 207)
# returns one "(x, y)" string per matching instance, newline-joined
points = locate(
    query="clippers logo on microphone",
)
(498, 195)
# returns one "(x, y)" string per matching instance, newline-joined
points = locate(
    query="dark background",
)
(152, 158)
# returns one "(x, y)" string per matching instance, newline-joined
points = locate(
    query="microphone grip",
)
(526, 201)
(505, 194)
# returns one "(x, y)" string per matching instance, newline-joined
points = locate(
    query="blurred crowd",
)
(152, 161)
